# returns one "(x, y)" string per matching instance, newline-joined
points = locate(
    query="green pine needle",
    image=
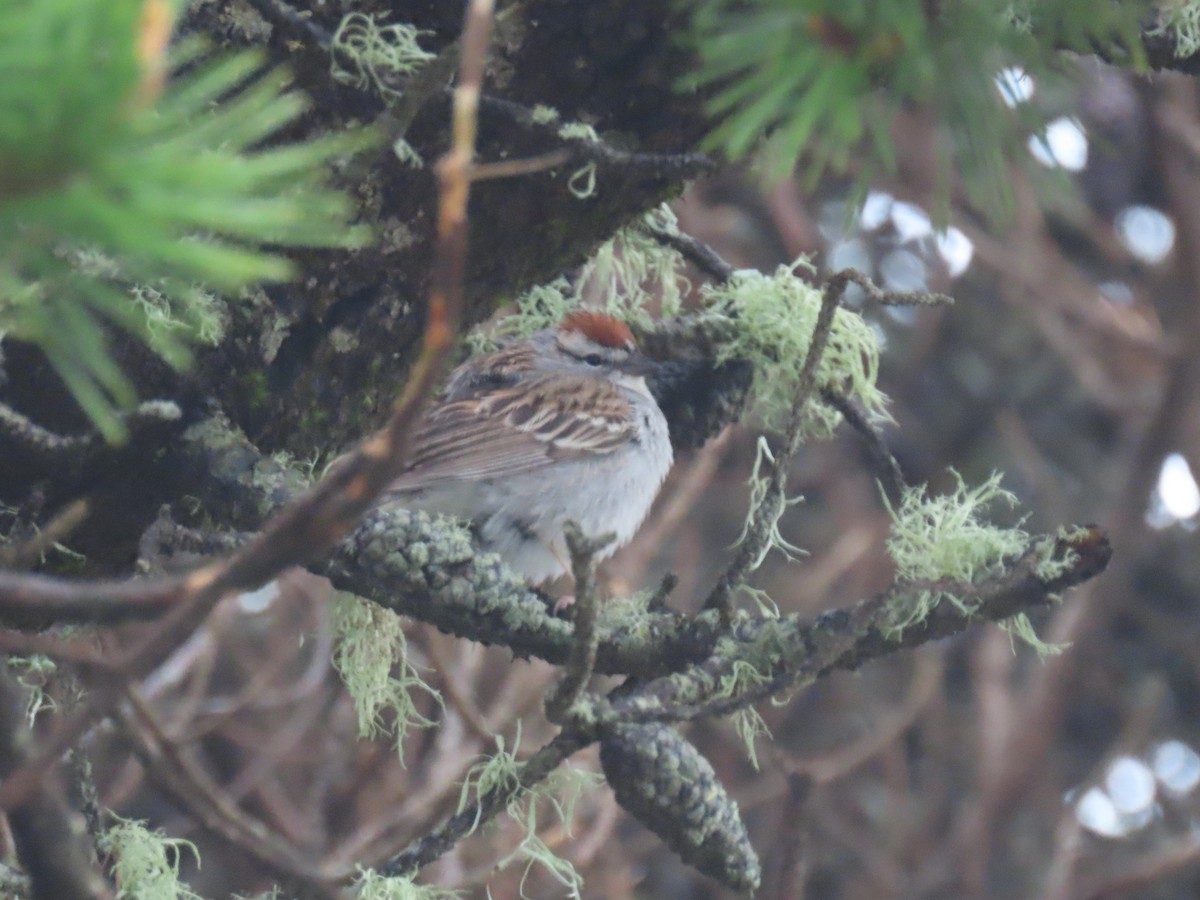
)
(170, 195)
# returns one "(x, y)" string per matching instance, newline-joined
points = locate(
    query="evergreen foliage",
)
(825, 78)
(120, 196)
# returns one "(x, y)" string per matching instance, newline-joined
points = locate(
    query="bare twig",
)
(846, 277)
(583, 149)
(698, 253)
(510, 168)
(883, 463)
(583, 550)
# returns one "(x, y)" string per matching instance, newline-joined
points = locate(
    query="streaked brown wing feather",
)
(490, 372)
(518, 429)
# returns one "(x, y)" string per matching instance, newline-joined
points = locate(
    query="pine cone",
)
(671, 789)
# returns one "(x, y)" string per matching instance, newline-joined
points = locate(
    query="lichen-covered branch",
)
(791, 653)
(442, 839)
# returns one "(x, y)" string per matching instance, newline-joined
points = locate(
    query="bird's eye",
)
(594, 359)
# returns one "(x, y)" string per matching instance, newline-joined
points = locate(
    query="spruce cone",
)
(671, 789)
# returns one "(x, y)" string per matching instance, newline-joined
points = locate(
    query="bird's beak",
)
(640, 364)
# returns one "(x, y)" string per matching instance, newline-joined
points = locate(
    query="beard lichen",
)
(147, 862)
(944, 538)
(373, 886)
(775, 316)
(560, 791)
(628, 274)
(370, 644)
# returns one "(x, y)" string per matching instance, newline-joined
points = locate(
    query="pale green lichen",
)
(747, 721)
(542, 306)
(561, 791)
(1181, 20)
(630, 613)
(147, 862)
(543, 114)
(536, 852)
(577, 131)
(201, 318)
(499, 772)
(373, 886)
(763, 602)
(633, 265)
(775, 316)
(628, 272)
(943, 537)
(377, 54)
(370, 646)
(1049, 567)
(407, 154)
(1020, 628)
(760, 492)
(309, 468)
(34, 673)
(582, 182)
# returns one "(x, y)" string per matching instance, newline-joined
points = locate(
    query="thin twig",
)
(510, 168)
(442, 839)
(285, 17)
(845, 277)
(758, 532)
(23, 433)
(698, 253)
(583, 550)
(207, 801)
(322, 516)
(883, 463)
(30, 552)
(586, 149)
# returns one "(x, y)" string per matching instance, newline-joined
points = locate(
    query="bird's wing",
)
(512, 430)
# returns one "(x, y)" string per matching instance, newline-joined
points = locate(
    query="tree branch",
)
(319, 519)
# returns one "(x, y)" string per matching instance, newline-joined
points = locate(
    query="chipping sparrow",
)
(557, 427)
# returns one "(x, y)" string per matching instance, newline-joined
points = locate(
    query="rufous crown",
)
(600, 328)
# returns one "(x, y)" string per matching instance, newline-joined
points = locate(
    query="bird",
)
(560, 426)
